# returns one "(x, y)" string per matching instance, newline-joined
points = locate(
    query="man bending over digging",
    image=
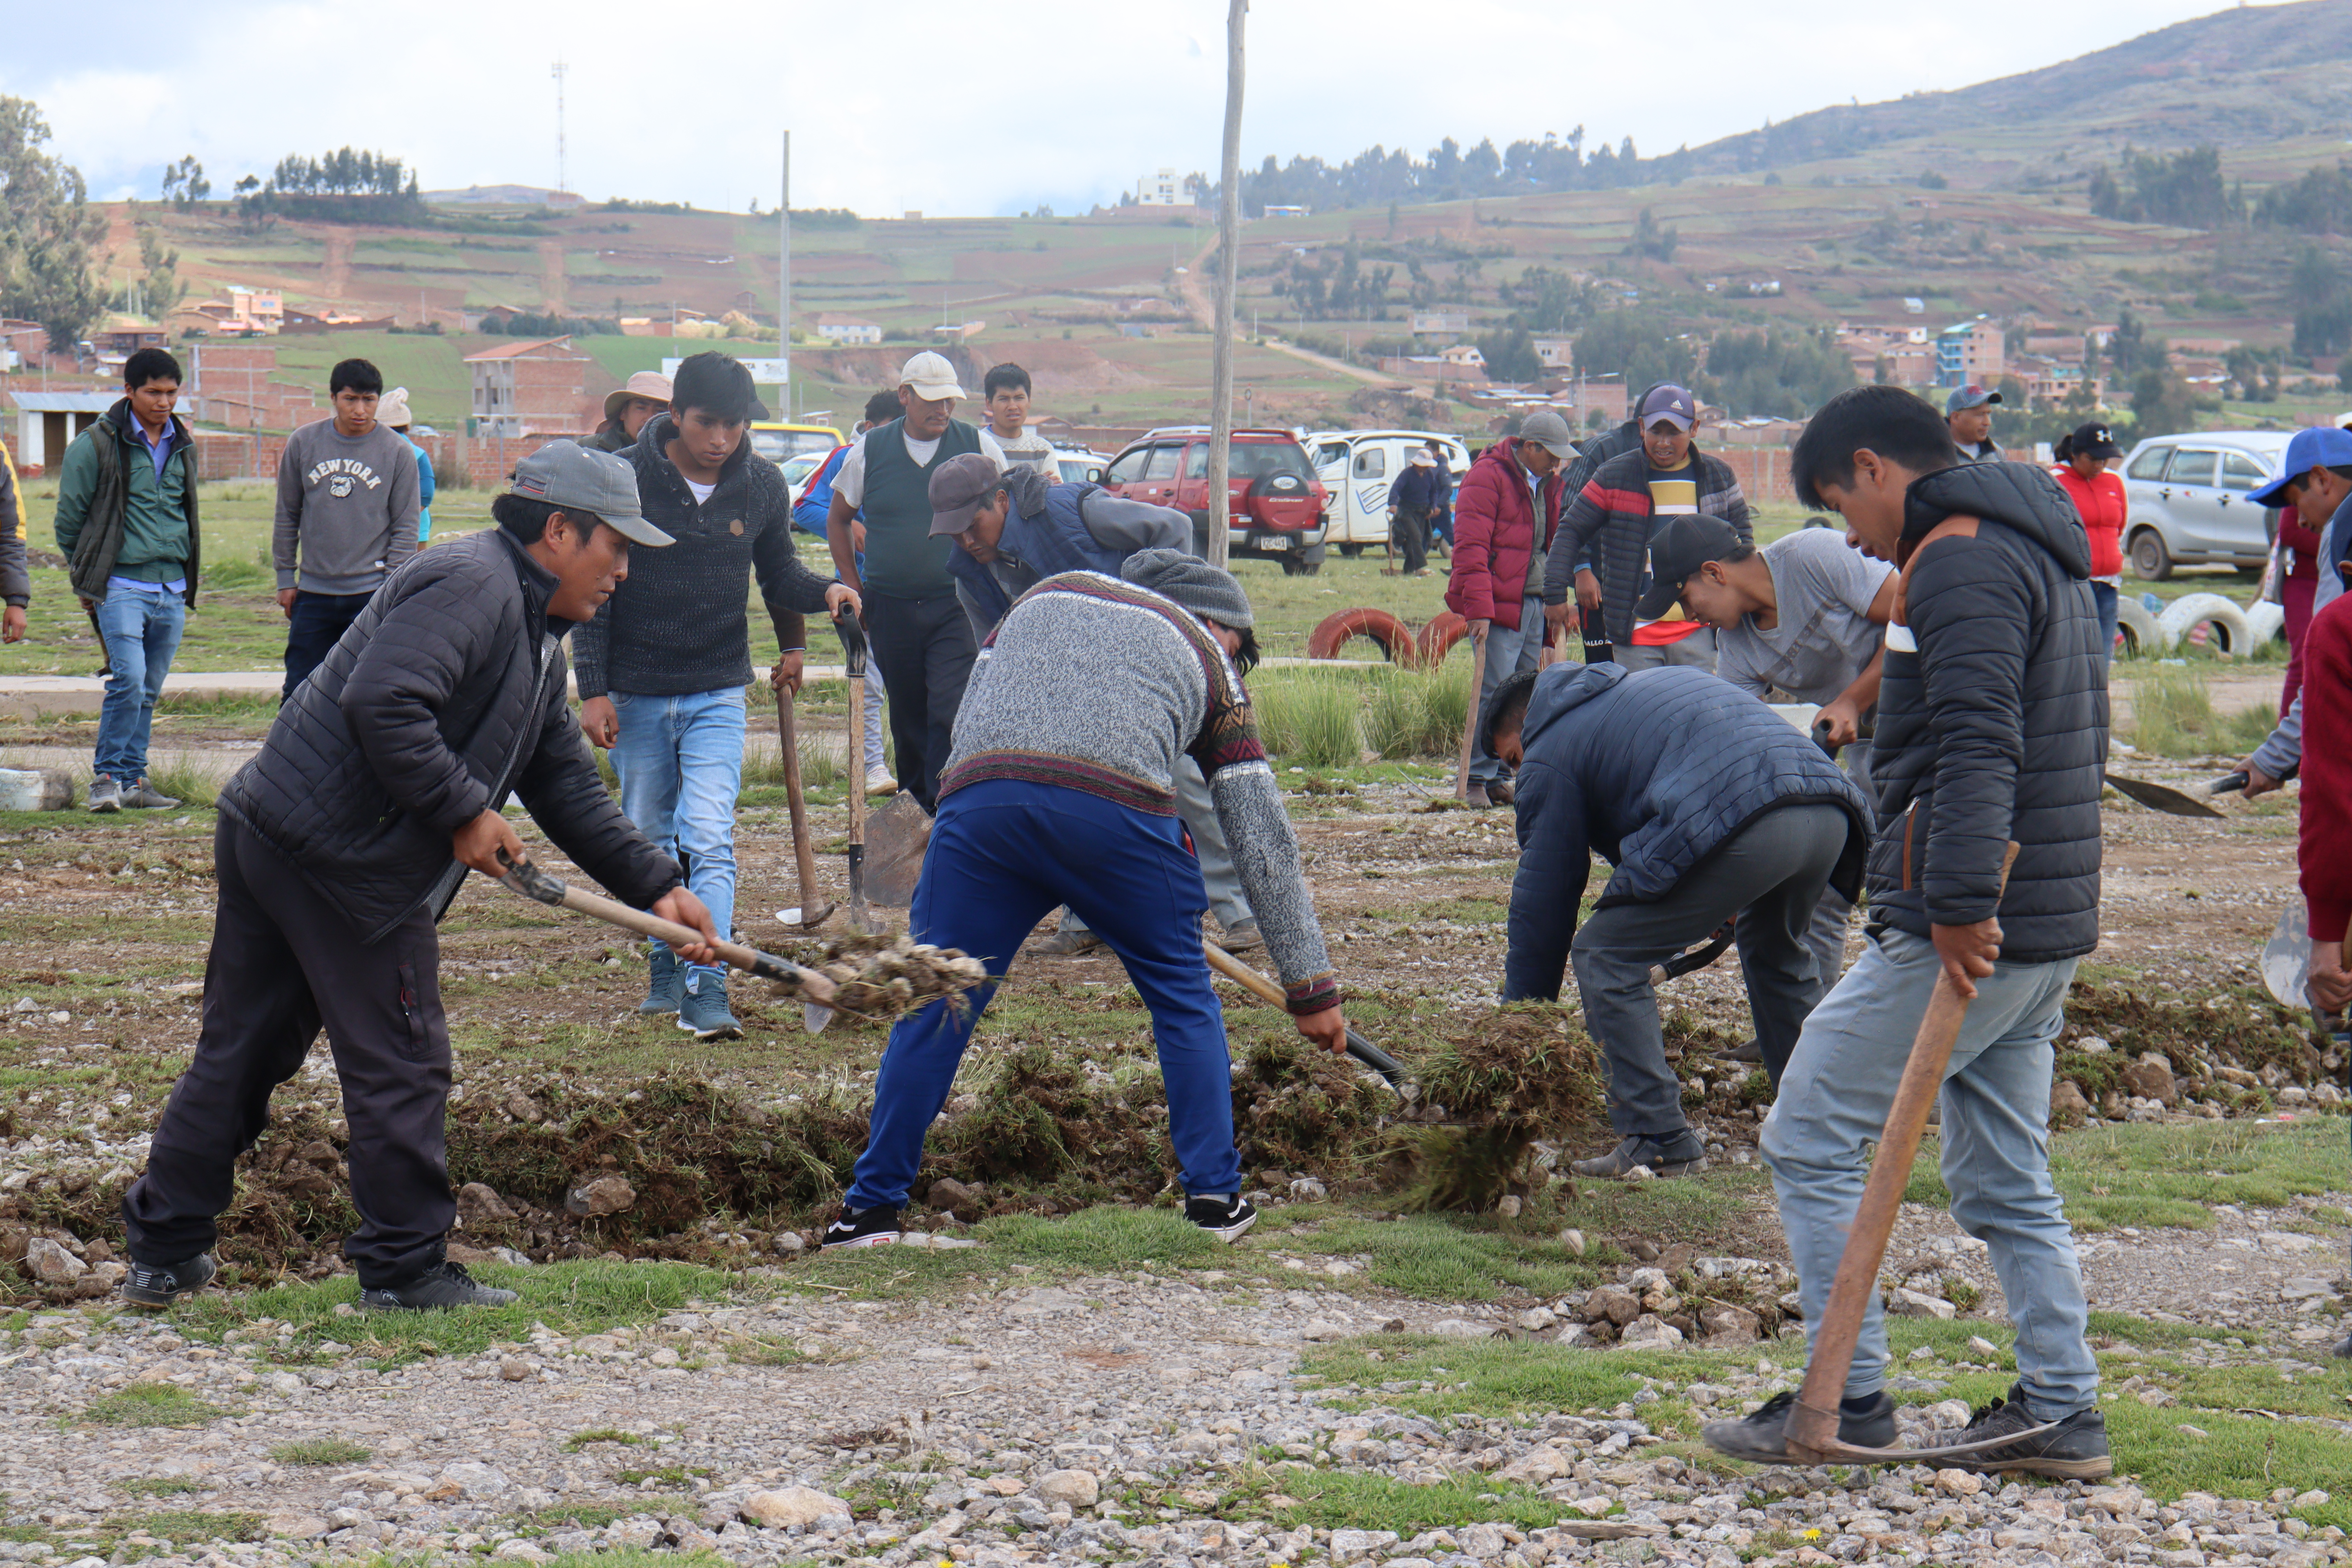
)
(1060, 788)
(1992, 729)
(342, 843)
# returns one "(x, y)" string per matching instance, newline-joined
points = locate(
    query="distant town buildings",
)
(1970, 354)
(530, 388)
(850, 331)
(1162, 190)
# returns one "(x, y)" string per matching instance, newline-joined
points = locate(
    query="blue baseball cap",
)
(2324, 447)
(1672, 404)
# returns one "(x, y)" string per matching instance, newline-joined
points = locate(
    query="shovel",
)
(1266, 991)
(1470, 722)
(1811, 1432)
(809, 914)
(853, 645)
(815, 991)
(2159, 797)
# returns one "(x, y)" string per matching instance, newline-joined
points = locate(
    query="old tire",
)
(1438, 638)
(2142, 637)
(1352, 550)
(2150, 560)
(1299, 566)
(2265, 622)
(1338, 629)
(2230, 634)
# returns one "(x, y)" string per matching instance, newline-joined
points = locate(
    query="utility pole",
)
(784, 278)
(1229, 234)
(563, 174)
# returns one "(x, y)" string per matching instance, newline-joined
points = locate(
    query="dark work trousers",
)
(284, 960)
(1770, 873)
(925, 648)
(1411, 530)
(320, 621)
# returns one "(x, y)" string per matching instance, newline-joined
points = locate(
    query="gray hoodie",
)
(346, 509)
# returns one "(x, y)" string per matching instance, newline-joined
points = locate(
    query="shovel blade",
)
(896, 839)
(815, 1017)
(2159, 797)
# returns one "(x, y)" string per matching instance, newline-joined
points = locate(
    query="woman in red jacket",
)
(2099, 497)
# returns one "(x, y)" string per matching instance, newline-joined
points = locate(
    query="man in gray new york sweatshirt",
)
(346, 505)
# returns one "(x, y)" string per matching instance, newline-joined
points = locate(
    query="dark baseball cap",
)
(1969, 397)
(568, 476)
(1672, 404)
(2093, 440)
(1681, 548)
(961, 486)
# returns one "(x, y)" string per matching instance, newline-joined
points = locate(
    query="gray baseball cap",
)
(567, 474)
(1549, 431)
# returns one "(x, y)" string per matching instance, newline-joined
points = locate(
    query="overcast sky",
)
(967, 108)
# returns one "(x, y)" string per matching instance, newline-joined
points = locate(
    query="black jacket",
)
(445, 696)
(678, 626)
(1993, 717)
(1655, 770)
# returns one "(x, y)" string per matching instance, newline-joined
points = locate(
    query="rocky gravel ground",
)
(1129, 1417)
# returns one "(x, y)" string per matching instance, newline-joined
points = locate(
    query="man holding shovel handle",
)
(1992, 735)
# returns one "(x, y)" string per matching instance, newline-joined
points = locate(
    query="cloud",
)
(964, 108)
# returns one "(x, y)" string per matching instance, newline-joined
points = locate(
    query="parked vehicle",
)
(1280, 511)
(1079, 465)
(1358, 465)
(799, 467)
(775, 440)
(2187, 499)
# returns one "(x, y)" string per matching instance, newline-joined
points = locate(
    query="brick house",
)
(531, 388)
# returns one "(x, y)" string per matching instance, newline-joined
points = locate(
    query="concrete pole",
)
(784, 277)
(1229, 234)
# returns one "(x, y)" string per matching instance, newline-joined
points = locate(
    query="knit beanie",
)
(1192, 582)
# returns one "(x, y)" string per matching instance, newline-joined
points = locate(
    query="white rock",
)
(519, 1550)
(1461, 1329)
(1540, 1467)
(790, 1505)
(1640, 1173)
(1307, 1190)
(1484, 1540)
(1323, 1328)
(1649, 1329)
(1980, 1346)
(475, 1478)
(1572, 1240)
(1919, 1304)
(52, 1264)
(1959, 1483)
(1347, 1545)
(790, 1243)
(1576, 1334)
(1078, 1489)
(1536, 1319)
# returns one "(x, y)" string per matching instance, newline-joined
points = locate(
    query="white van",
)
(1356, 466)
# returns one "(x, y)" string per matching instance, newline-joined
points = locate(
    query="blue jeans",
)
(1003, 853)
(2104, 594)
(681, 764)
(1996, 1150)
(142, 631)
(1509, 650)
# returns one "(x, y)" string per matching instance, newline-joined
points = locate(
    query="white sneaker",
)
(879, 782)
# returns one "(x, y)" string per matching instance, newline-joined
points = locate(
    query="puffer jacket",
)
(1051, 528)
(1495, 529)
(1992, 716)
(1655, 770)
(1608, 523)
(445, 696)
(2099, 501)
(15, 580)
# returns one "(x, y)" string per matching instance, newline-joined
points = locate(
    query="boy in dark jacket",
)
(1709, 805)
(1992, 730)
(341, 845)
(664, 665)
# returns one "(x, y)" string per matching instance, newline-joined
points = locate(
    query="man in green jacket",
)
(127, 524)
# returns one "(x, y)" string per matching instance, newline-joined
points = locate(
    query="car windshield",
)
(801, 466)
(778, 444)
(1256, 459)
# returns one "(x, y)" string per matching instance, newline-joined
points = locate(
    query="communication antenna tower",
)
(562, 176)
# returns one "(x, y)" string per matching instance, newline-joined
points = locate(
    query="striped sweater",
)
(1093, 684)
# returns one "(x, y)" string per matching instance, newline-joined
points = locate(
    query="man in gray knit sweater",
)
(1060, 788)
(347, 509)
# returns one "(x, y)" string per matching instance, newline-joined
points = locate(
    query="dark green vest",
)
(902, 560)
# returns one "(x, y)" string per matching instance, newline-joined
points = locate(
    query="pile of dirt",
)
(2237, 1048)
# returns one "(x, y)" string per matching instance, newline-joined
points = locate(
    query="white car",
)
(1357, 467)
(2187, 497)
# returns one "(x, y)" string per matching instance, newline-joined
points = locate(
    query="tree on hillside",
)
(1549, 300)
(1775, 373)
(2319, 202)
(2184, 190)
(1638, 347)
(2161, 402)
(1510, 355)
(48, 231)
(185, 184)
(1650, 240)
(2323, 306)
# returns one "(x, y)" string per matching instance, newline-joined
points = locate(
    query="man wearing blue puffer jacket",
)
(1017, 527)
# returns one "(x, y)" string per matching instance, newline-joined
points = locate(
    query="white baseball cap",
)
(930, 377)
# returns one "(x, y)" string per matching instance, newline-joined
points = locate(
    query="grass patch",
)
(2140, 1174)
(1450, 1260)
(1102, 1238)
(579, 1440)
(321, 1451)
(1310, 719)
(159, 1486)
(181, 1526)
(149, 1405)
(571, 1299)
(672, 1477)
(1354, 1500)
(2172, 714)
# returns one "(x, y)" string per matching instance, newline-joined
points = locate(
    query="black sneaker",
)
(876, 1227)
(443, 1285)
(1224, 1218)
(2075, 1450)
(1677, 1156)
(1750, 1051)
(1762, 1438)
(163, 1284)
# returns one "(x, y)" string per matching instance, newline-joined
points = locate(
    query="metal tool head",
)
(524, 878)
(896, 839)
(794, 915)
(852, 644)
(2159, 797)
(2286, 957)
(815, 1017)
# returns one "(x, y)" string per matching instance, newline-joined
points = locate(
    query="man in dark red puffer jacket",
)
(1504, 515)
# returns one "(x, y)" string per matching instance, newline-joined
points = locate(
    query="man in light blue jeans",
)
(680, 762)
(142, 625)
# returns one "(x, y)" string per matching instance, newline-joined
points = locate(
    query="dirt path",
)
(335, 268)
(551, 278)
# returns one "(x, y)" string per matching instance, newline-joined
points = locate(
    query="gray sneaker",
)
(665, 984)
(145, 796)
(702, 1009)
(105, 794)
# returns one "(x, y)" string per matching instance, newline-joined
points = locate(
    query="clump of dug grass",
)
(1523, 1072)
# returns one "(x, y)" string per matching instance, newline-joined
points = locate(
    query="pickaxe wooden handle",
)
(813, 914)
(1812, 1429)
(1266, 991)
(1470, 724)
